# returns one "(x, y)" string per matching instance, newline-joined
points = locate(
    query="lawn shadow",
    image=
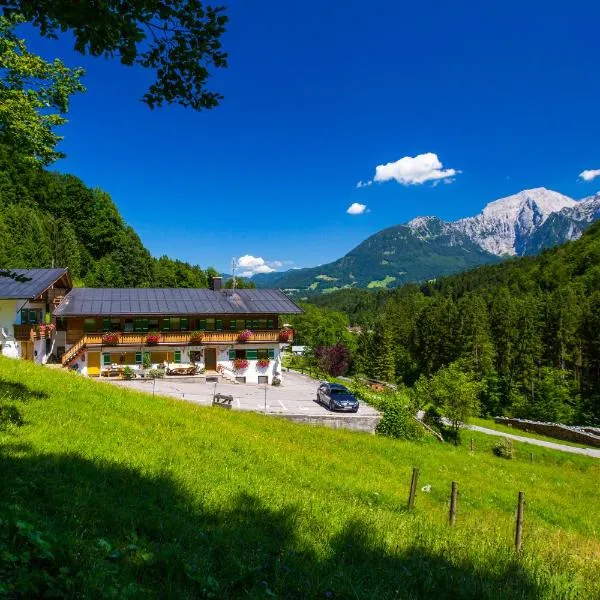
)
(116, 532)
(12, 392)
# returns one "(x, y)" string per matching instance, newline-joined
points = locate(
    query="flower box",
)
(110, 339)
(152, 339)
(244, 336)
(285, 335)
(263, 363)
(239, 364)
(196, 337)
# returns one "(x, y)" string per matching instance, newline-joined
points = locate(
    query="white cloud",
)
(589, 174)
(413, 170)
(356, 208)
(252, 265)
(362, 184)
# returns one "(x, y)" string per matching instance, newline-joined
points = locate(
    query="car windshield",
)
(339, 392)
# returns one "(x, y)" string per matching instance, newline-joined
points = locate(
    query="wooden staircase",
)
(74, 351)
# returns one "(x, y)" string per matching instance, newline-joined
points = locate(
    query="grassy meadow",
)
(106, 492)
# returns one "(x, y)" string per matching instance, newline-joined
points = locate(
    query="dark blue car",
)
(336, 397)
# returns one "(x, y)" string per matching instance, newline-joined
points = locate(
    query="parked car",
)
(336, 397)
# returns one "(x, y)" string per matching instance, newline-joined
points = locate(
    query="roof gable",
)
(39, 280)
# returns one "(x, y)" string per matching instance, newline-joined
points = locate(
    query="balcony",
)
(25, 333)
(166, 338)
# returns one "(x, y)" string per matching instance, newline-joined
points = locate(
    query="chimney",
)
(215, 283)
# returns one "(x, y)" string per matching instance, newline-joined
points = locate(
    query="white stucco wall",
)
(8, 311)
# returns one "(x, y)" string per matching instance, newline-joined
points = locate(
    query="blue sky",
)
(317, 95)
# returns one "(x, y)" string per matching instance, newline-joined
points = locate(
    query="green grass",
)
(381, 283)
(489, 423)
(106, 492)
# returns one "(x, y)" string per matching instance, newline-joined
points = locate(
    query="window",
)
(128, 326)
(240, 379)
(232, 354)
(240, 353)
(262, 324)
(262, 353)
(177, 356)
(210, 324)
(263, 379)
(140, 324)
(115, 324)
(270, 324)
(138, 358)
(184, 323)
(89, 325)
(153, 324)
(30, 316)
(166, 324)
(106, 358)
(251, 354)
(232, 324)
(218, 324)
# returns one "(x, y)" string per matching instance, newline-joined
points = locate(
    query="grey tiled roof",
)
(40, 281)
(179, 301)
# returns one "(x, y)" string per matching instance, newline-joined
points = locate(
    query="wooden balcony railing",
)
(166, 338)
(25, 333)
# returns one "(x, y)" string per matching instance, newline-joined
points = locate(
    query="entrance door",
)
(210, 359)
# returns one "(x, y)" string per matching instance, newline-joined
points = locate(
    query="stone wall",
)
(356, 423)
(579, 435)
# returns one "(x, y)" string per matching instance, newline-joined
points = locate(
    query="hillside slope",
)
(111, 493)
(428, 247)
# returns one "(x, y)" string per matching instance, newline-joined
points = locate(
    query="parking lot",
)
(295, 396)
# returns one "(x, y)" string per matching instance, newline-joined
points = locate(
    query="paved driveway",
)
(296, 395)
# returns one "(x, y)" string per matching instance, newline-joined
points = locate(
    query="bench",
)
(222, 400)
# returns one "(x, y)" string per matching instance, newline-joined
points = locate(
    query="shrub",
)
(504, 448)
(110, 339)
(156, 373)
(239, 364)
(128, 372)
(285, 335)
(397, 422)
(146, 360)
(244, 336)
(152, 339)
(333, 360)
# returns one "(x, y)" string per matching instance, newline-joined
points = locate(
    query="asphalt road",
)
(593, 452)
(296, 395)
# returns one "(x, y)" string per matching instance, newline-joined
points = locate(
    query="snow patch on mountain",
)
(504, 225)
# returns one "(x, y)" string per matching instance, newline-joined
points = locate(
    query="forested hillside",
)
(50, 219)
(528, 328)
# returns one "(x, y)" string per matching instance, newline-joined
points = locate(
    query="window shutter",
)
(232, 355)
(251, 354)
(166, 324)
(232, 324)
(269, 323)
(145, 324)
(184, 323)
(202, 324)
(177, 356)
(33, 316)
(218, 324)
(271, 353)
(255, 324)
(106, 358)
(248, 323)
(138, 358)
(105, 324)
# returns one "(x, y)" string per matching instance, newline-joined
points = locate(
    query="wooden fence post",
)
(519, 529)
(453, 497)
(413, 488)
